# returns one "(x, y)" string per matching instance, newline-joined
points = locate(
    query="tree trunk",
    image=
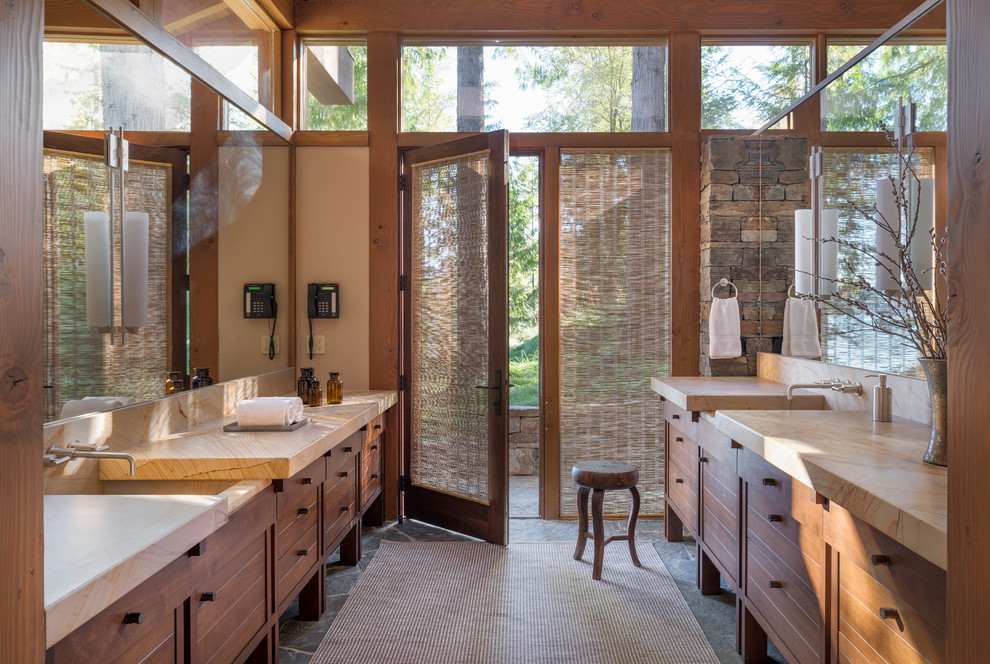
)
(132, 80)
(470, 88)
(649, 106)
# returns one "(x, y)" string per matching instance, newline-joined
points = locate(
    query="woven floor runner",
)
(468, 602)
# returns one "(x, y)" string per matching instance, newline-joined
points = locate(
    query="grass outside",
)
(524, 371)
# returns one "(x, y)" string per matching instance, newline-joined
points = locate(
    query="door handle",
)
(498, 391)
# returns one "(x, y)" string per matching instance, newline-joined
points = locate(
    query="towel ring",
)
(791, 292)
(725, 282)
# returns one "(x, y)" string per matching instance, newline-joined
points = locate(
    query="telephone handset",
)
(259, 300)
(323, 301)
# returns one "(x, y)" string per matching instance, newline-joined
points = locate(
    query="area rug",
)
(467, 602)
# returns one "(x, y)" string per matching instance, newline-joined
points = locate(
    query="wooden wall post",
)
(685, 188)
(969, 319)
(384, 340)
(22, 591)
(204, 211)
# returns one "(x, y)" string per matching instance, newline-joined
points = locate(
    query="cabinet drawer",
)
(683, 451)
(343, 484)
(341, 458)
(717, 446)
(793, 610)
(293, 566)
(291, 526)
(107, 638)
(788, 507)
(682, 494)
(338, 517)
(298, 490)
(876, 625)
(915, 580)
(373, 429)
(720, 516)
(231, 605)
(684, 420)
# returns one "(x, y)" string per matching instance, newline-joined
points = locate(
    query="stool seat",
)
(605, 475)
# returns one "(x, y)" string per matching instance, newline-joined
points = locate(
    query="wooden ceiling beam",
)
(605, 17)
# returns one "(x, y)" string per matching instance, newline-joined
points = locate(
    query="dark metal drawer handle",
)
(679, 439)
(881, 559)
(208, 597)
(775, 518)
(343, 474)
(889, 613)
(348, 449)
(679, 481)
(769, 481)
(303, 511)
(378, 426)
(776, 584)
(676, 417)
(374, 476)
(703, 459)
(345, 508)
(302, 552)
(374, 447)
(307, 480)
(133, 618)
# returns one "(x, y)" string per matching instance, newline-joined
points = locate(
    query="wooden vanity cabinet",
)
(680, 475)
(719, 508)
(340, 492)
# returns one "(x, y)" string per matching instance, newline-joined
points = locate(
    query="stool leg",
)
(597, 498)
(582, 504)
(631, 527)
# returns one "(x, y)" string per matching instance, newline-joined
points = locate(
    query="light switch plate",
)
(264, 345)
(319, 344)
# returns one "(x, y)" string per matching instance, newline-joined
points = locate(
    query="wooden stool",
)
(599, 477)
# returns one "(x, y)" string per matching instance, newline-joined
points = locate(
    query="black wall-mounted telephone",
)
(323, 301)
(259, 300)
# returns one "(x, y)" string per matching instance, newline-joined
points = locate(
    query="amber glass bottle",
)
(315, 392)
(306, 375)
(202, 378)
(335, 388)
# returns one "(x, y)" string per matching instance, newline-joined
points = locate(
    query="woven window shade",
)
(614, 320)
(449, 280)
(850, 176)
(79, 360)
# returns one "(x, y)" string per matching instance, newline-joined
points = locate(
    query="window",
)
(850, 176)
(336, 86)
(534, 88)
(869, 94)
(744, 85)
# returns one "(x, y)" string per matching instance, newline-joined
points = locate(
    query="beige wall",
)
(253, 247)
(332, 246)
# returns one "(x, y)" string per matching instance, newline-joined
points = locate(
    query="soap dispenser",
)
(882, 398)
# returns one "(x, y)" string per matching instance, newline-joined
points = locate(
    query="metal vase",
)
(938, 449)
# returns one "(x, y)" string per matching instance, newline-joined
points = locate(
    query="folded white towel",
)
(75, 407)
(269, 411)
(724, 329)
(800, 329)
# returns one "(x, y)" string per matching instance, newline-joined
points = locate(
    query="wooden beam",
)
(685, 187)
(331, 138)
(969, 319)
(614, 17)
(550, 335)
(198, 19)
(204, 213)
(157, 38)
(384, 341)
(330, 74)
(22, 590)
(77, 16)
(164, 139)
(538, 140)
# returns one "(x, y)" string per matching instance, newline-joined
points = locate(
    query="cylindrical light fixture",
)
(96, 240)
(922, 251)
(804, 252)
(888, 278)
(135, 276)
(828, 253)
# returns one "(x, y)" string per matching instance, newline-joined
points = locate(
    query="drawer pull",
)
(302, 552)
(374, 476)
(775, 518)
(678, 439)
(133, 618)
(348, 449)
(303, 511)
(679, 480)
(374, 447)
(887, 613)
(307, 480)
(208, 597)
(343, 473)
(676, 417)
(776, 584)
(345, 508)
(378, 426)
(703, 459)
(769, 481)
(881, 559)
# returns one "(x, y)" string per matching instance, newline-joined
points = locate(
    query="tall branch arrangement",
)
(916, 315)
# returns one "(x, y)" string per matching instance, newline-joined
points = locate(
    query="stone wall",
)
(731, 239)
(524, 440)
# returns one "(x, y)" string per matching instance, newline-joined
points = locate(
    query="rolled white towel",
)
(724, 329)
(75, 407)
(269, 411)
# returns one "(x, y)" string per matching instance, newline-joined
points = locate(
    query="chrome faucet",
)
(56, 456)
(843, 386)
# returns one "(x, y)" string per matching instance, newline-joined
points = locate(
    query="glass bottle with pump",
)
(202, 378)
(306, 375)
(335, 388)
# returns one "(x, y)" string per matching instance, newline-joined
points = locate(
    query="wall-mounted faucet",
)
(56, 456)
(843, 386)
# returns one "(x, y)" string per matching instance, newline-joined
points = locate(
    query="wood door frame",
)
(491, 521)
(178, 223)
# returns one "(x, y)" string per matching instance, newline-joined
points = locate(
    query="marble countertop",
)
(709, 393)
(872, 469)
(100, 547)
(207, 452)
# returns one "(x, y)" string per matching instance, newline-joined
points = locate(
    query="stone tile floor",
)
(716, 614)
(524, 495)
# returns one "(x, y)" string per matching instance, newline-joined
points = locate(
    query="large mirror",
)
(145, 270)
